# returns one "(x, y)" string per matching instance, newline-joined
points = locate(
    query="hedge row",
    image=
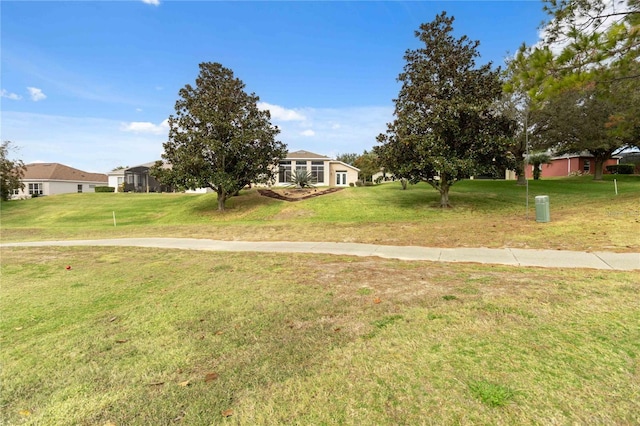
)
(105, 189)
(621, 169)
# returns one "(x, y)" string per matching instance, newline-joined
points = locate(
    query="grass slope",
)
(585, 215)
(148, 336)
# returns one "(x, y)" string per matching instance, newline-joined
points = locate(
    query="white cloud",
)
(336, 130)
(152, 2)
(146, 127)
(36, 94)
(86, 143)
(279, 113)
(138, 109)
(9, 95)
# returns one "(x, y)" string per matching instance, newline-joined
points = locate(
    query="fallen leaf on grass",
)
(184, 384)
(210, 377)
(156, 384)
(109, 423)
(227, 413)
(112, 319)
(377, 300)
(219, 332)
(18, 328)
(25, 413)
(122, 341)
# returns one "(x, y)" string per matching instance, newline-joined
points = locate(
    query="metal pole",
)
(526, 160)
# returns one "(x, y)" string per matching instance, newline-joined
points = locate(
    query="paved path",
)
(503, 256)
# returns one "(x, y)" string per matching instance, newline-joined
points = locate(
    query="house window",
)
(16, 191)
(35, 189)
(301, 167)
(79, 188)
(317, 171)
(587, 166)
(284, 172)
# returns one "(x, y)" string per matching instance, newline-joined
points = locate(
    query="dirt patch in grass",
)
(296, 194)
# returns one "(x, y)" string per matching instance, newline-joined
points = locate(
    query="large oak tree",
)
(446, 126)
(218, 138)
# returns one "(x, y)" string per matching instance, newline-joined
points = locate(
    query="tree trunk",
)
(522, 177)
(599, 164)
(403, 182)
(222, 197)
(444, 192)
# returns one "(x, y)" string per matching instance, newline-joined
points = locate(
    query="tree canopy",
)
(446, 126)
(369, 165)
(218, 138)
(11, 172)
(583, 79)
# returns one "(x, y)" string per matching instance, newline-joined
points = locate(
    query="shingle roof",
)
(57, 171)
(305, 155)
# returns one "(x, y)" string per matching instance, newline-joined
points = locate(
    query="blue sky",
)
(90, 83)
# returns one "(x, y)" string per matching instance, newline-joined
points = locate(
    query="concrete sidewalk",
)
(503, 256)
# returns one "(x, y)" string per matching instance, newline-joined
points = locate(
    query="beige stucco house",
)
(55, 178)
(325, 171)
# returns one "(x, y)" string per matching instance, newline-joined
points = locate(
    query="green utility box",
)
(542, 208)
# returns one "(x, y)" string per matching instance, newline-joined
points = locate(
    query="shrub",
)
(368, 183)
(620, 169)
(379, 180)
(105, 189)
(359, 182)
(351, 184)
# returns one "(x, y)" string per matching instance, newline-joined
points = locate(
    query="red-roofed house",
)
(54, 178)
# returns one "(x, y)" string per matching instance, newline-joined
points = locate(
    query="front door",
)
(341, 178)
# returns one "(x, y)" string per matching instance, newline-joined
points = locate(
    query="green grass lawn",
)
(138, 336)
(585, 215)
(132, 336)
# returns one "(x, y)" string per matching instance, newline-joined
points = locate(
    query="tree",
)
(584, 79)
(11, 172)
(218, 138)
(536, 160)
(600, 119)
(585, 41)
(348, 158)
(369, 165)
(515, 105)
(446, 127)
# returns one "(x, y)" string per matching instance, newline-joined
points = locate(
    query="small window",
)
(79, 188)
(587, 166)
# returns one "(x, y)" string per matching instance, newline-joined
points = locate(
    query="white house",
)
(54, 178)
(324, 170)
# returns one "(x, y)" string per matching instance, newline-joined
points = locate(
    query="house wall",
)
(352, 174)
(565, 166)
(115, 181)
(58, 187)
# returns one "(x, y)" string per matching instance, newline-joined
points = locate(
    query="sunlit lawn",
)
(137, 336)
(585, 215)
